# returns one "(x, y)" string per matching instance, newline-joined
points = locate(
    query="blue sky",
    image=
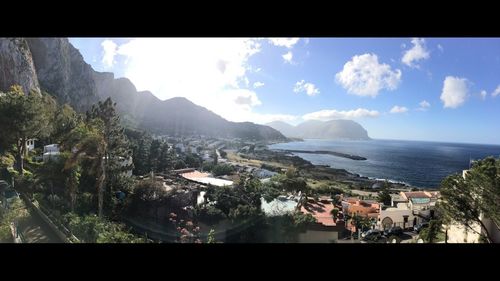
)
(436, 89)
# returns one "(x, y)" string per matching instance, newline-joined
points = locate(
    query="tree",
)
(467, 200)
(430, 234)
(223, 154)
(22, 117)
(65, 120)
(211, 236)
(116, 148)
(214, 155)
(384, 196)
(335, 213)
(140, 143)
(154, 154)
(92, 146)
(222, 169)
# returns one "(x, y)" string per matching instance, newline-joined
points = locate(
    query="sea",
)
(417, 163)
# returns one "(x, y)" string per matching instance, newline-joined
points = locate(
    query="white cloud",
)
(246, 97)
(440, 48)
(483, 94)
(258, 84)
(288, 57)
(454, 92)
(365, 76)
(309, 88)
(210, 72)
(398, 109)
(109, 51)
(416, 53)
(336, 114)
(284, 42)
(496, 92)
(424, 105)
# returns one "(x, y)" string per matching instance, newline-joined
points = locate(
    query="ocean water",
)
(417, 163)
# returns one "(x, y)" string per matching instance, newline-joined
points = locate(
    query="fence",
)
(53, 222)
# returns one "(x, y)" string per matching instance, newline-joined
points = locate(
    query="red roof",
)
(320, 211)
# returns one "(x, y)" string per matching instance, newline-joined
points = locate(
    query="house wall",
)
(397, 217)
(458, 233)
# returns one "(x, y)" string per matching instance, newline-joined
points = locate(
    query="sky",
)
(432, 89)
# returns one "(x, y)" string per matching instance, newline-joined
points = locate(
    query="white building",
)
(181, 147)
(30, 144)
(51, 152)
(400, 215)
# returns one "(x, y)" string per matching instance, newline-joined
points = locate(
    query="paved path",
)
(35, 230)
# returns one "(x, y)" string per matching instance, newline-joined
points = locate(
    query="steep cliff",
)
(55, 66)
(63, 73)
(16, 65)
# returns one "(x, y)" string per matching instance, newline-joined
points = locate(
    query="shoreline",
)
(326, 174)
(334, 153)
(400, 184)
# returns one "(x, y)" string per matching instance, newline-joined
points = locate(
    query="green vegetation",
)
(384, 196)
(92, 229)
(22, 117)
(466, 200)
(15, 212)
(222, 169)
(84, 178)
(432, 233)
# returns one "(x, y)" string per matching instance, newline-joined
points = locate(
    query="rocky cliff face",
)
(63, 73)
(16, 65)
(60, 70)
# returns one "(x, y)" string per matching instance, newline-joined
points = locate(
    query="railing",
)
(52, 221)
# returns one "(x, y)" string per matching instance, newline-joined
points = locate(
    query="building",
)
(279, 206)
(30, 144)
(51, 152)
(364, 208)
(263, 173)
(204, 178)
(400, 215)
(326, 229)
(458, 233)
(180, 147)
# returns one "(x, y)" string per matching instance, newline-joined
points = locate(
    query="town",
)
(205, 189)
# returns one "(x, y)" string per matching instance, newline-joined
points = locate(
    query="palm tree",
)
(91, 146)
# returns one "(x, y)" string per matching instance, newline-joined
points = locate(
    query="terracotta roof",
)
(320, 211)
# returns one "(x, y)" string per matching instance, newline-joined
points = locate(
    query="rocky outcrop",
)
(314, 129)
(63, 73)
(16, 65)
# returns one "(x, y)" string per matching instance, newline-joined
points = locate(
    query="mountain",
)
(63, 73)
(285, 128)
(333, 129)
(175, 116)
(16, 65)
(55, 66)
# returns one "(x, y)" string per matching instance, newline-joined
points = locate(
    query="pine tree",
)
(117, 148)
(22, 117)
